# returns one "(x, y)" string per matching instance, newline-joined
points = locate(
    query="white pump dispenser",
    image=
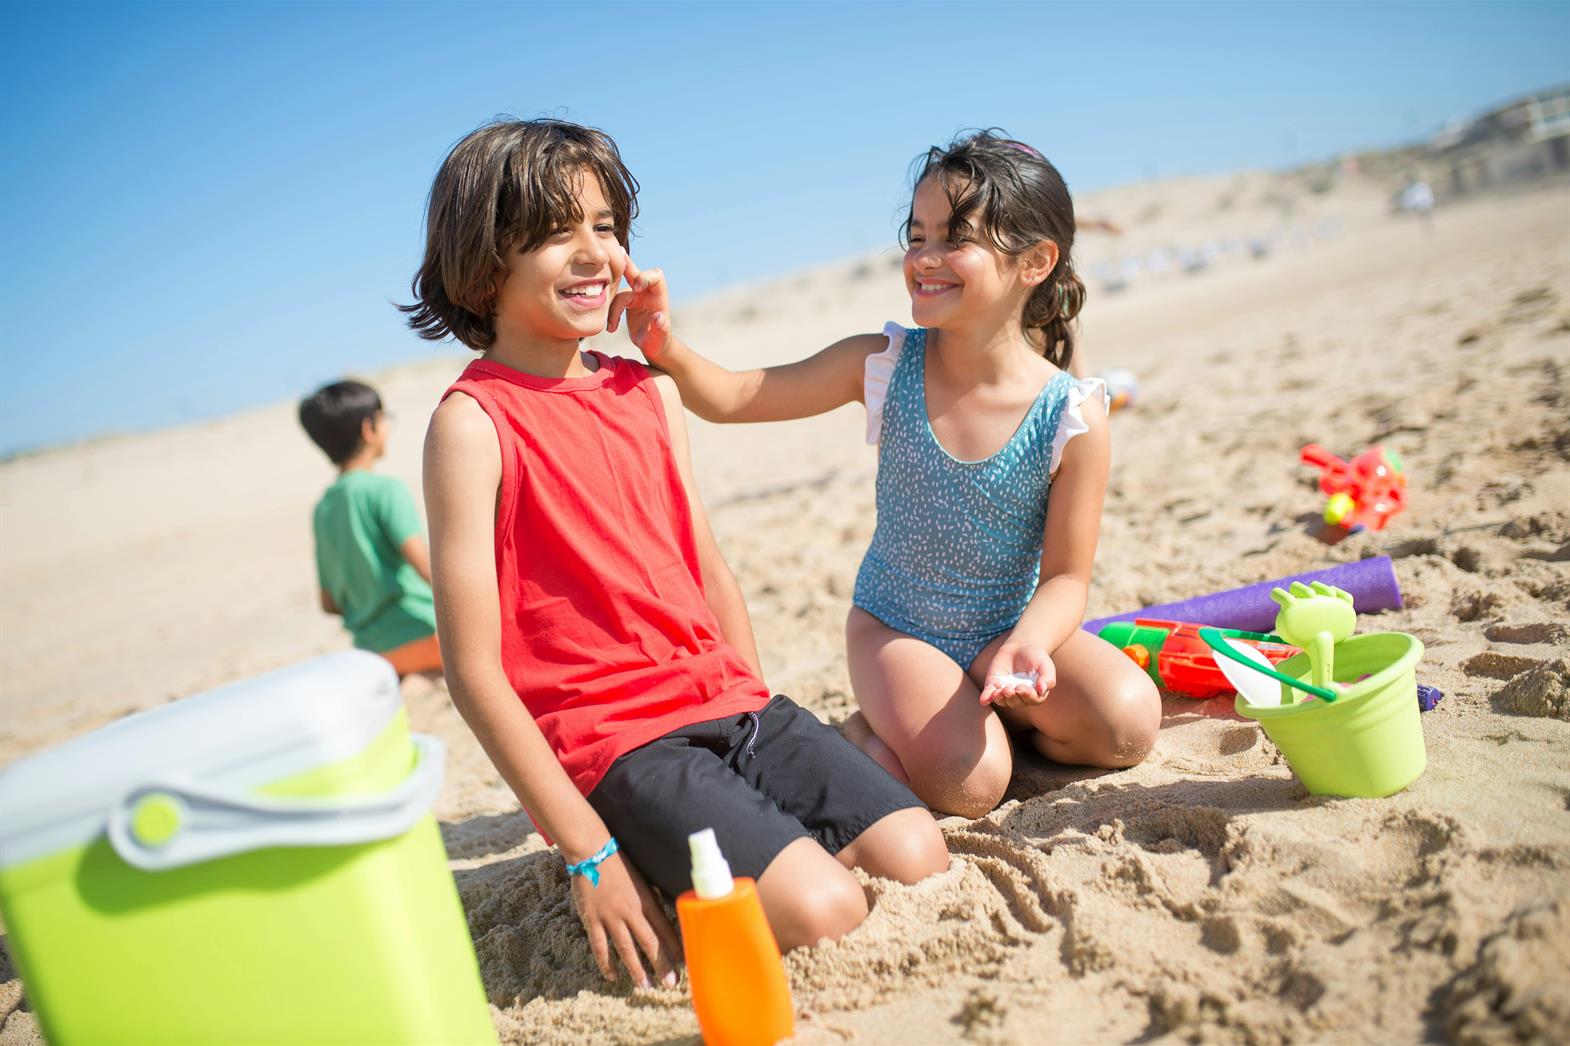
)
(710, 872)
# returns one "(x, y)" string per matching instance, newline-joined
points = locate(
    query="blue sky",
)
(210, 206)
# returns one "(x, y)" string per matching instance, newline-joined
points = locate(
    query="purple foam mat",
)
(1372, 583)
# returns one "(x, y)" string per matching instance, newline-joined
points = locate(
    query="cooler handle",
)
(163, 825)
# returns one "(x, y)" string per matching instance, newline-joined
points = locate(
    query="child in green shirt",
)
(372, 563)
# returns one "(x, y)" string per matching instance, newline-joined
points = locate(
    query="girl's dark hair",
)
(1008, 191)
(334, 414)
(504, 187)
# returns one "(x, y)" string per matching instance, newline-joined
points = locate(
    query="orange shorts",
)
(422, 655)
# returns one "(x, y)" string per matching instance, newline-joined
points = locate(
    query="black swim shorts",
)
(761, 780)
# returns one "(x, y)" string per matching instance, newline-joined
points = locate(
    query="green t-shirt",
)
(361, 523)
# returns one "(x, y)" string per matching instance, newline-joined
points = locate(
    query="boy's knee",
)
(831, 907)
(918, 853)
(906, 846)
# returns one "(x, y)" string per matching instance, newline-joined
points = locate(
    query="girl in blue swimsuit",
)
(992, 468)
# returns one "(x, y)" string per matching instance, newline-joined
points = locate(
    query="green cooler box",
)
(256, 864)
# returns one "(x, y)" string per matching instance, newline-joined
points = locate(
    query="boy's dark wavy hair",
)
(334, 417)
(504, 187)
(1007, 191)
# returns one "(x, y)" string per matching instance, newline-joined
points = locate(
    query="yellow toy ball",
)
(1338, 508)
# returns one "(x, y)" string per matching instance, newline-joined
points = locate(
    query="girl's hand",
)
(621, 913)
(648, 308)
(1020, 674)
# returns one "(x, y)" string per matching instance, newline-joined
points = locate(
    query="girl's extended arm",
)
(720, 590)
(1068, 553)
(462, 474)
(819, 383)
(828, 379)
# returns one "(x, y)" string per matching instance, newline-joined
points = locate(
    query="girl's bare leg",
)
(927, 712)
(858, 733)
(1104, 710)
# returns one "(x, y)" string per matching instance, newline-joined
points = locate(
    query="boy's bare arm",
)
(719, 585)
(462, 471)
(462, 474)
(418, 555)
(328, 604)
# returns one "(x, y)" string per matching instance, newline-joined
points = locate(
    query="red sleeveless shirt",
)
(605, 634)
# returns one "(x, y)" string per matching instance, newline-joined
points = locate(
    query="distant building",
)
(1525, 139)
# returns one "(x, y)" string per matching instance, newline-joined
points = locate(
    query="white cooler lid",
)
(240, 736)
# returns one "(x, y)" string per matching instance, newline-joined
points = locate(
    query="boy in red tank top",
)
(594, 639)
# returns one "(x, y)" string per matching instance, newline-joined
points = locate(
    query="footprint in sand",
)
(1514, 992)
(982, 1016)
(1540, 691)
(1413, 547)
(1237, 739)
(1221, 934)
(1468, 559)
(1493, 665)
(1529, 633)
(1529, 305)
(1474, 604)
(1554, 526)
(1167, 829)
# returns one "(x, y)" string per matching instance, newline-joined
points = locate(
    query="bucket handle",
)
(169, 824)
(1218, 645)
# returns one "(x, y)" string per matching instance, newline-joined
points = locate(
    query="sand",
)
(1203, 895)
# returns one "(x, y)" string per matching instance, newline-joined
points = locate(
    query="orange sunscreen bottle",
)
(733, 961)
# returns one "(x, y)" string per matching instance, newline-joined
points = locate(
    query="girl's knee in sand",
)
(953, 782)
(1126, 731)
(1134, 722)
(974, 798)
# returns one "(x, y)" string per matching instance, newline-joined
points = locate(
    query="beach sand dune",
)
(1203, 895)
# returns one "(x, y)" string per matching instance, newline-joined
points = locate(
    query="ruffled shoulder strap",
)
(1072, 422)
(876, 375)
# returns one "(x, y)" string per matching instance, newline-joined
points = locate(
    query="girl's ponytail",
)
(1053, 309)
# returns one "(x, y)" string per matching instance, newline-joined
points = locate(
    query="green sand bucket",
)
(1368, 742)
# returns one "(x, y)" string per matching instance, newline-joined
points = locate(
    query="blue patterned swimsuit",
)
(956, 554)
